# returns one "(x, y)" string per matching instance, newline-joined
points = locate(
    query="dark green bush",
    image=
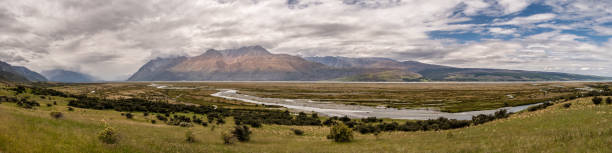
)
(56, 114)
(129, 115)
(298, 132)
(597, 100)
(70, 109)
(153, 121)
(567, 105)
(242, 133)
(608, 100)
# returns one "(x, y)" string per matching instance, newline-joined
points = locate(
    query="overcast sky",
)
(111, 39)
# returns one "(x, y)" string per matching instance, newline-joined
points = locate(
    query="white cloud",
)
(502, 31)
(530, 19)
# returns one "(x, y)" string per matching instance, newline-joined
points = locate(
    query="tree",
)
(608, 100)
(340, 133)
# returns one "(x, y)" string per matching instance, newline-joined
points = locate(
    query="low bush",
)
(108, 135)
(129, 115)
(538, 107)
(70, 109)
(153, 121)
(242, 133)
(185, 124)
(49, 105)
(340, 133)
(228, 138)
(56, 114)
(567, 105)
(597, 100)
(298, 132)
(189, 137)
(608, 100)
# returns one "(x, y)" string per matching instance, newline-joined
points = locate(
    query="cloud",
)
(112, 39)
(502, 31)
(537, 18)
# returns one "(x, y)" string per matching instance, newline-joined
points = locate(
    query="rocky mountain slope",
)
(252, 63)
(9, 73)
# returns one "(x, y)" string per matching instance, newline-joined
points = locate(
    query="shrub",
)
(129, 115)
(153, 121)
(242, 133)
(108, 135)
(596, 100)
(567, 105)
(228, 138)
(70, 109)
(189, 137)
(340, 133)
(608, 100)
(185, 124)
(56, 114)
(204, 124)
(54, 103)
(49, 105)
(298, 132)
(145, 114)
(538, 107)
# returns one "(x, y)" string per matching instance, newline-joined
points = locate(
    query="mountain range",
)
(254, 63)
(9, 73)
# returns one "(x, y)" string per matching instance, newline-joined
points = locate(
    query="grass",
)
(583, 127)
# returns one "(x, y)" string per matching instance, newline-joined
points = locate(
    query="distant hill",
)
(429, 72)
(9, 73)
(59, 75)
(254, 63)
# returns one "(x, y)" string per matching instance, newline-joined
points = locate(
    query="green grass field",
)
(583, 127)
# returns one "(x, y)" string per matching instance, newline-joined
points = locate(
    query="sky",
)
(112, 39)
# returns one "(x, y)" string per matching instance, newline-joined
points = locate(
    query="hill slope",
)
(583, 127)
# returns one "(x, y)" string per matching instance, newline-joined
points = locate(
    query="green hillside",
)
(584, 127)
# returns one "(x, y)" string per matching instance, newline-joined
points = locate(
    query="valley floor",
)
(584, 127)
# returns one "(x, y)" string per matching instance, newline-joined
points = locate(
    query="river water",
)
(356, 111)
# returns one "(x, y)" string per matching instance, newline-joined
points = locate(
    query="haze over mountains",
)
(254, 63)
(9, 73)
(59, 75)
